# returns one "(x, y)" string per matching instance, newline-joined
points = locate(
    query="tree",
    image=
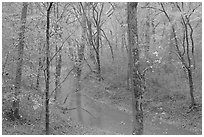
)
(90, 35)
(58, 56)
(185, 50)
(47, 80)
(97, 22)
(79, 60)
(147, 34)
(96, 33)
(40, 61)
(179, 22)
(135, 82)
(19, 68)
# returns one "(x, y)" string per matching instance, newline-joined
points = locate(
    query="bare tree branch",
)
(100, 13)
(60, 48)
(192, 42)
(194, 10)
(108, 43)
(67, 109)
(175, 38)
(88, 64)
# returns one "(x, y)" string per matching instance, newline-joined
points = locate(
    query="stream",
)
(103, 116)
(106, 117)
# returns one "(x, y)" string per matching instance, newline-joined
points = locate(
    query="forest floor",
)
(163, 114)
(60, 124)
(170, 108)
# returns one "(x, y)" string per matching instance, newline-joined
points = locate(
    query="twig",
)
(88, 64)
(194, 10)
(60, 48)
(66, 98)
(108, 43)
(88, 112)
(67, 109)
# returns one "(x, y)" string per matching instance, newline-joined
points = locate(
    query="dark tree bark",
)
(47, 82)
(57, 76)
(91, 45)
(58, 60)
(39, 69)
(191, 87)
(38, 75)
(90, 37)
(20, 61)
(98, 52)
(135, 82)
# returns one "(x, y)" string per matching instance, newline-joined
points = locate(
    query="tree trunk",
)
(38, 75)
(98, 52)
(79, 61)
(57, 76)
(128, 74)
(137, 97)
(135, 83)
(78, 94)
(58, 61)
(147, 34)
(47, 82)
(123, 42)
(191, 87)
(20, 61)
(40, 64)
(91, 45)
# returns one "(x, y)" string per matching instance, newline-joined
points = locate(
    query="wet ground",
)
(106, 117)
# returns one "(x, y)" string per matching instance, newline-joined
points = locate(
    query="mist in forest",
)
(101, 68)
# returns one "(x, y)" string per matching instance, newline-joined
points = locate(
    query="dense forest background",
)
(62, 63)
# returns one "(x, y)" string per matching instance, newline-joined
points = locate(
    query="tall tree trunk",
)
(191, 87)
(79, 62)
(91, 45)
(190, 58)
(153, 31)
(39, 67)
(123, 41)
(20, 61)
(98, 52)
(57, 76)
(38, 75)
(58, 61)
(47, 86)
(78, 90)
(135, 83)
(147, 34)
(78, 94)
(90, 37)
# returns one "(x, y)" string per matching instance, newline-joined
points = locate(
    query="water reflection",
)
(96, 114)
